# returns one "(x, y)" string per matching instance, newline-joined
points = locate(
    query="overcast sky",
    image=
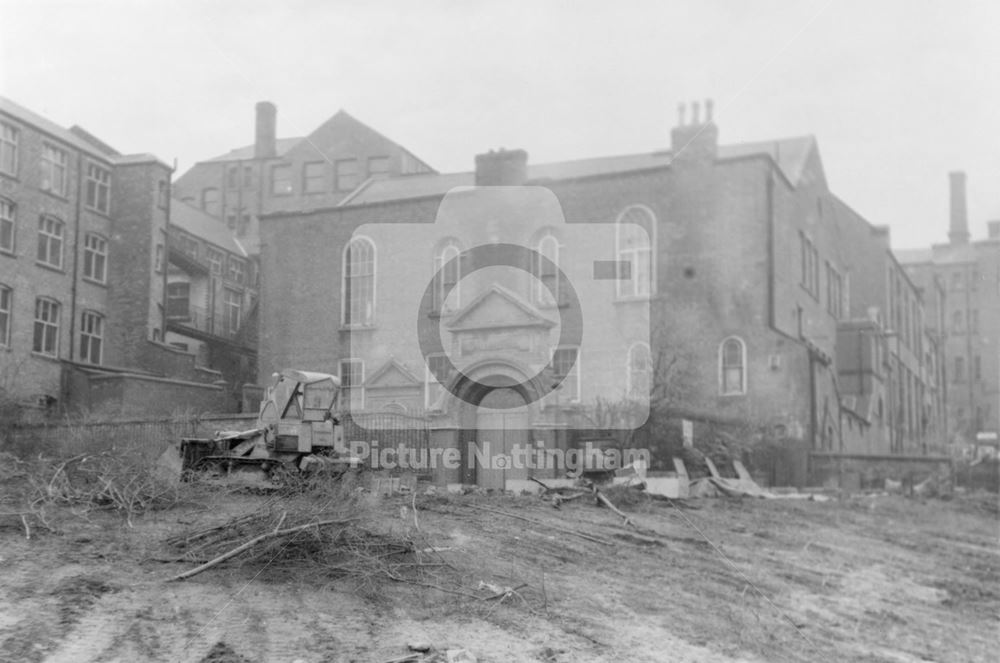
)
(898, 92)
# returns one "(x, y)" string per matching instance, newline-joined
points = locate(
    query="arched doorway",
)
(501, 427)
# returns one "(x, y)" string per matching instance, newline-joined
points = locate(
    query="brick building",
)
(967, 318)
(211, 300)
(750, 262)
(285, 174)
(82, 235)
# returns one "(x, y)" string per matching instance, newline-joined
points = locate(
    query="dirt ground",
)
(860, 579)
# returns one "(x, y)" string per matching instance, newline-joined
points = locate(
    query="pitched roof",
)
(913, 256)
(48, 126)
(76, 136)
(192, 220)
(790, 154)
(282, 146)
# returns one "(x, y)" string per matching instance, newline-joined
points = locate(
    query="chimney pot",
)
(958, 229)
(709, 107)
(266, 131)
(502, 168)
(695, 113)
(680, 114)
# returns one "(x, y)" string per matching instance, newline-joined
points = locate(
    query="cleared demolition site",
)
(275, 543)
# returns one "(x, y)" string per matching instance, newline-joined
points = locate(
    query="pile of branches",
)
(300, 539)
(98, 481)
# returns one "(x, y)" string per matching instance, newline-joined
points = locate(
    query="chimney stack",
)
(697, 141)
(266, 131)
(958, 230)
(502, 168)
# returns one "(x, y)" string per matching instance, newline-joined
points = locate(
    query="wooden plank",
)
(711, 468)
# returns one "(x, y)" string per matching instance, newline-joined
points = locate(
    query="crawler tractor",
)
(296, 430)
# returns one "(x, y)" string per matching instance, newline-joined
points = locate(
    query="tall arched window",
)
(448, 272)
(732, 367)
(640, 370)
(635, 239)
(359, 283)
(547, 272)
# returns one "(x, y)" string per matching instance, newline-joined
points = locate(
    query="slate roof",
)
(282, 145)
(198, 223)
(77, 137)
(790, 154)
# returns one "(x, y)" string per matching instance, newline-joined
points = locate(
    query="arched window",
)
(732, 367)
(640, 370)
(635, 239)
(546, 273)
(448, 273)
(359, 283)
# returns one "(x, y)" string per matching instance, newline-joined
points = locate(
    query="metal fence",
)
(149, 437)
(146, 438)
(389, 429)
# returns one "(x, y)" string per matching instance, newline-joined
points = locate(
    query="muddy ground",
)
(859, 579)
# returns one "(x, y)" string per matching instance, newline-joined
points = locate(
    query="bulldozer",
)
(296, 430)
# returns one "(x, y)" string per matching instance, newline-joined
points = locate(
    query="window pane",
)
(347, 174)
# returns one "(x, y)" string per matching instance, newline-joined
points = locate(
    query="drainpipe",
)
(76, 253)
(770, 249)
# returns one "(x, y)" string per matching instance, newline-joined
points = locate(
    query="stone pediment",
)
(498, 308)
(392, 375)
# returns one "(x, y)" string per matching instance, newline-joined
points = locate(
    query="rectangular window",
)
(237, 271)
(7, 225)
(8, 149)
(977, 368)
(232, 308)
(247, 177)
(957, 282)
(974, 321)
(436, 378)
(378, 166)
(215, 260)
(189, 246)
(810, 265)
(179, 300)
(159, 258)
(352, 380)
(95, 258)
(241, 230)
(314, 177)
(210, 201)
(50, 241)
(46, 337)
(834, 291)
(956, 322)
(91, 337)
(233, 177)
(959, 375)
(347, 174)
(566, 367)
(281, 180)
(231, 220)
(6, 298)
(162, 193)
(53, 165)
(98, 188)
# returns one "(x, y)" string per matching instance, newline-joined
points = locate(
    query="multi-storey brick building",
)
(211, 299)
(967, 318)
(285, 174)
(82, 284)
(750, 261)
